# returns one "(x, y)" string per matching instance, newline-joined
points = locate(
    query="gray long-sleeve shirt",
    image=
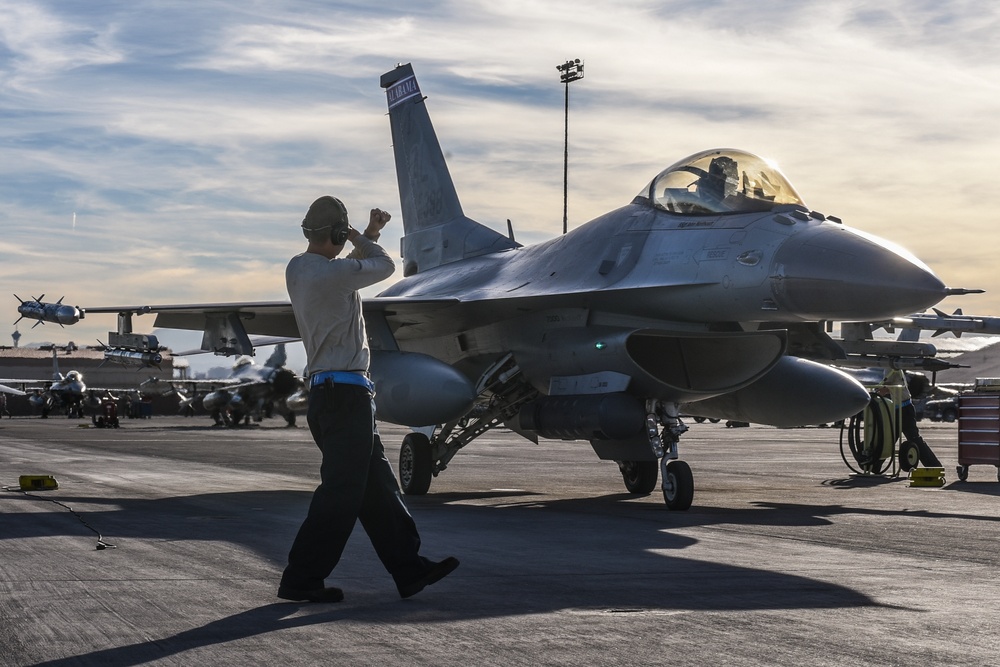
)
(327, 306)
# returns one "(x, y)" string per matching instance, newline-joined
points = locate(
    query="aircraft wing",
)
(421, 317)
(26, 384)
(227, 326)
(202, 386)
(269, 318)
(264, 318)
(34, 384)
(160, 387)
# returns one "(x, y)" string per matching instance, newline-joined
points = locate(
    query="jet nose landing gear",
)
(677, 482)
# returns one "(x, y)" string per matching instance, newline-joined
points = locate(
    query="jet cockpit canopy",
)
(242, 362)
(720, 181)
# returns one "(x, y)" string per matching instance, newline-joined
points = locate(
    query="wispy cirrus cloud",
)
(189, 139)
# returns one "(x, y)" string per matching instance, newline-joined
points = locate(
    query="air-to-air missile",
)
(57, 313)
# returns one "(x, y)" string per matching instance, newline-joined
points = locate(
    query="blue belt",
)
(342, 377)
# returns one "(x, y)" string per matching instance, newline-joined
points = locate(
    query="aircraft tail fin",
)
(278, 357)
(56, 375)
(435, 229)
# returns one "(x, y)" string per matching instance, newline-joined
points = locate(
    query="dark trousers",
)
(357, 484)
(911, 433)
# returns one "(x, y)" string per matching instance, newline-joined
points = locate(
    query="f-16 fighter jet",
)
(706, 293)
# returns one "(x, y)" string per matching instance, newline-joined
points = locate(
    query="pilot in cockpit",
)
(720, 181)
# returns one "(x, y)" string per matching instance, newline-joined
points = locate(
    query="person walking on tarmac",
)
(357, 482)
(897, 378)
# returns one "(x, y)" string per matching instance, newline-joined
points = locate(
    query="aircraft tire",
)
(416, 467)
(639, 476)
(678, 486)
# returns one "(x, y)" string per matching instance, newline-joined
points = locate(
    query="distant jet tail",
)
(56, 375)
(278, 357)
(435, 229)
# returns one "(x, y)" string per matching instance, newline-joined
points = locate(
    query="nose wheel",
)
(678, 484)
(676, 479)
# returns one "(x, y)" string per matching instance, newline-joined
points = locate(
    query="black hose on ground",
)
(868, 455)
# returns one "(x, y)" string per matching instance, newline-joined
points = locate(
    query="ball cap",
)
(324, 213)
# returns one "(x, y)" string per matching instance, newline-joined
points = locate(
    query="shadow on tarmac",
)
(980, 488)
(598, 555)
(262, 620)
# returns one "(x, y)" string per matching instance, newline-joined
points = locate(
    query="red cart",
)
(979, 428)
(109, 414)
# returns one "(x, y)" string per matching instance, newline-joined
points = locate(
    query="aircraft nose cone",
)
(831, 272)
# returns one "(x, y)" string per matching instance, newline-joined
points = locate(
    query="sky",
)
(165, 152)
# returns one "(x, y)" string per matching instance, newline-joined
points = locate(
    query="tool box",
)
(979, 427)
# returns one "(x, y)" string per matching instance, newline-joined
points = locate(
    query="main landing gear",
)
(422, 456)
(416, 464)
(639, 476)
(502, 393)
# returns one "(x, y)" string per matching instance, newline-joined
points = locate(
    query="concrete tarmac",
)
(784, 559)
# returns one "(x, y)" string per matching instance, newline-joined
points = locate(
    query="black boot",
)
(927, 457)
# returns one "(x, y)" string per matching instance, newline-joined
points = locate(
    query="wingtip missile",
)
(56, 313)
(940, 322)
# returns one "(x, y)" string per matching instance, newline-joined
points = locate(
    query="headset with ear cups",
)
(338, 235)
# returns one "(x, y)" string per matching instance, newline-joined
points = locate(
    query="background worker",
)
(897, 378)
(357, 482)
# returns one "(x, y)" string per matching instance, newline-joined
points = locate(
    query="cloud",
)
(189, 139)
(40, 44)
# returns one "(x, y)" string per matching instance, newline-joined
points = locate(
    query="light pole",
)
(571, 70)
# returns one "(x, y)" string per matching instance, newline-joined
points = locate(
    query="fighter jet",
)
(250, 392)
(707, 292)
(67, 393)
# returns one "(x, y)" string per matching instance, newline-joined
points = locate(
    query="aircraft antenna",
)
(571, 70)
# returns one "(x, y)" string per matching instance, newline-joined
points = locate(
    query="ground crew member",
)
(357, 482)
